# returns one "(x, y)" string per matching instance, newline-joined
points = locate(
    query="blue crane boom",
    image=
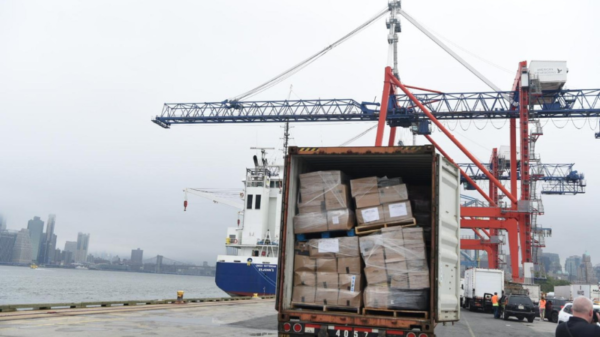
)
(470, 105)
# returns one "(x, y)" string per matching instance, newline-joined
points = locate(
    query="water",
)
(22, 285)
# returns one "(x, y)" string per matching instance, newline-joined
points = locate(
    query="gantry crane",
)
(528, 100)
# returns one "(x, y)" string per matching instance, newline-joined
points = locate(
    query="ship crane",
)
(530, 99)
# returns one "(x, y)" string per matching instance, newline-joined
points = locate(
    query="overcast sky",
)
(81, 80)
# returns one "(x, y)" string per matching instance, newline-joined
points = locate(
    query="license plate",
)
(521, 307)
(342, 331)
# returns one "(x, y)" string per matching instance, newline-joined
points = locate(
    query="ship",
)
(249, 266)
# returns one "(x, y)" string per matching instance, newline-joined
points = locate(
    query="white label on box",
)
(329, 246)
(397, 210)
(352, 283)
(370, 214)
(335, 220)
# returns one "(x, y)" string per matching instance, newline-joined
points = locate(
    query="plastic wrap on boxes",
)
(418, 280)
(376, 296)
(311, 182)
(351, 299)
(321, 180)
(326, 265)
(312, 198)
(350, 282)
(304, 294)
(370, 216)
(337, 197)
(301, 248)
(376, 275)
(416, 265)
(336, 247)
(367, 200)
(363, 186)
(305, 278)
(408, 299)
(393, 193)
(340, 219)
(397, 211)
(310, 223)
(385, 181)
(304, 209)
(326, 296)
(413, 235)
(327, 280)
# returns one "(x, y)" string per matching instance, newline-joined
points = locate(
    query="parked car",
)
(567, 312)
(519, 306)
(553, 307)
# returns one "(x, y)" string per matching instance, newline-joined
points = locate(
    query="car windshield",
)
(520, 300)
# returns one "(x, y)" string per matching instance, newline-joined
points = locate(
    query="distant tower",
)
(137, 256)
(158, 266)
(83, 241)
(36, 231)
(46, 255)
(7, 243)
(22, 251)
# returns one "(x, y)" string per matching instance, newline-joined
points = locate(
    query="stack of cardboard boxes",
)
(325, 203)
(396, 269)
(380, 200)
(327, 272)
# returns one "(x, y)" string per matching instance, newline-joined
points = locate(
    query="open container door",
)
(448, 240)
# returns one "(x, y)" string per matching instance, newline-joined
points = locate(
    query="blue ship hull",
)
(241, 279)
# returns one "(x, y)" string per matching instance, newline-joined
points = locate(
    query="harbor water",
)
(22, 285)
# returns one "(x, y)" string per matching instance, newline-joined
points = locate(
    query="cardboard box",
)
(338, 197)
(314, 208)
(322, 248)
(376, 297)
(301, 248)
(351, 299)
(326, 265)
(349, 282)
(304, 294)
(375, 274)
(367, 200)
(304, 263)
(399, 281)
(327, 280)
(397, 211)
(340, 219)
(349, 265)
(394, 268)
(415, 252)
(304, 278)
(418, 280)
(333, 178)
(385, 181)
(392, 233)
(310, 223)
(363, 186)
(370, 242)
(395, 252)
(370, 216)
(348, 246)
(413, 235)
(393, 193)
(326, 296)
(311, 181)
(416, 265)
(312, 198)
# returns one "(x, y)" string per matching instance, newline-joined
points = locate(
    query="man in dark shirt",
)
(581, 324)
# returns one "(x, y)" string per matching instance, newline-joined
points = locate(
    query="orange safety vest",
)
(543, 304)
(495, 300)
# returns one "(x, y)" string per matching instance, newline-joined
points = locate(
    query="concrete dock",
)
(256, 317)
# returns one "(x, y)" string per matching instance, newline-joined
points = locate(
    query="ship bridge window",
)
(257, 206)
(249, 201)
(255, 184)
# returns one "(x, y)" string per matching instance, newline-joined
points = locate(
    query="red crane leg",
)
(385, 98)
(392, 136)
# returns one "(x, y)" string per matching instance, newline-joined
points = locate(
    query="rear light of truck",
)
(422, 335)
(411, 334)
(297, 327)
(287, 327)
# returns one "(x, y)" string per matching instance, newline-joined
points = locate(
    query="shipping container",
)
(417, 166)
(480, 286)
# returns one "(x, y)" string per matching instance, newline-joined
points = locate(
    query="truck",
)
(480, 286)
(416, 165)
(531, 290)
(572, 291)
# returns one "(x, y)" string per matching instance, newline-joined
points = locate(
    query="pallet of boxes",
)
(327, 262)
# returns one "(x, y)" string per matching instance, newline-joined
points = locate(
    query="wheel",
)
(530, 319)
(505, 316)
(554, 317)
(520, 318)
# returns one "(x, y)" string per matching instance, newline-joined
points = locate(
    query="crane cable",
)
(286, 74)
(358, 136)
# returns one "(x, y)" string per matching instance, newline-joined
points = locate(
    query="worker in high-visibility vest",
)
(542, 308)
(495, 305)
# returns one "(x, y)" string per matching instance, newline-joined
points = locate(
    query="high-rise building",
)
(66, 256)
(83, 241)
(7, 243)
(36, 231)
(551, 262)
(572, 266)
(2, 223)
(46, 255)
(71, 246)
(137, 256)
(586, 274)
(22, 252)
